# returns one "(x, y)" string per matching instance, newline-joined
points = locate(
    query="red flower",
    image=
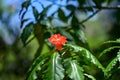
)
(58, 40)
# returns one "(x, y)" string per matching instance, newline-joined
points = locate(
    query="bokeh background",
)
(15, 59)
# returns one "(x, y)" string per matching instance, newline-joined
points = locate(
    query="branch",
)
(101, 7)
(89, 17)
(88, 7)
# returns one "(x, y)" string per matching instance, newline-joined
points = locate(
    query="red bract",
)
(58, 40)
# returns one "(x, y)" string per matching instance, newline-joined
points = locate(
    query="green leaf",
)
(23, 21)
(110, 67)
(107, 50)
(90, 76)
(67, 34)
(35, 12)
(118, 56)
(80, 35)
(111, 42)
(86, 54)
(71, 7)
(43, 13)
(35, 67)
(61, 15)
(98, 2)
(111, 64)
(27, 32)
(25, 5)
(81, 2)
(118, 40)
(74, 22)
(55, 70)
(74, 71)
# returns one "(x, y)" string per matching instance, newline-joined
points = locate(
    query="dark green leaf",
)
(81, 2)
(44, 12)
(27, 32)
(65, 33)
(80, 36)
(35, 12)
(71, 7)
(74, 22)
(25, 5)
(61, 15)
(55, 70)
(23, 21)
(98, 2)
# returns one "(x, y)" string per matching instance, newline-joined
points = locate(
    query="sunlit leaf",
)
(112, 42)
(110, 67)
(86, 54)
(118, 56)
(90, 76)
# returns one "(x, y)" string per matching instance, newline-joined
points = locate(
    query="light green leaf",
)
(111, 42)
(118, 56)
(55, 70)
(74, 71)
(90, 76)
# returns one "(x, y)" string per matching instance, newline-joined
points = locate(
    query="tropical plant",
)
(72, 59)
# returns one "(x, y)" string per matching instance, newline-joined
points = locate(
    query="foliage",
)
(75, 61)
